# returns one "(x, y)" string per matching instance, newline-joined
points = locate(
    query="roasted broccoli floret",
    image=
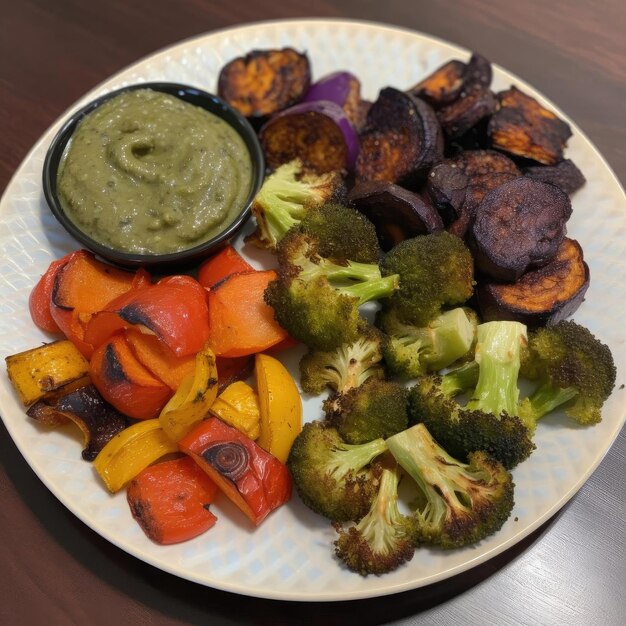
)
(411, 351)
(333, 478)
(377, 408)
(436, 272)
(343, 233)
(315, 299)
(488, 421)
(462, 502)
(573, 368)
(347, 366)
(383, 539)
(286, 196)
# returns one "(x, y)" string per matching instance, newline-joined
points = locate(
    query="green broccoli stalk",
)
(383, 539)
(333, 478)
(498, 354)
(489, 420)
(411, 351)
(285, 198)
(377, 408)
(462, 502)
(315, 299)
(574, 370)
(348, 366)
(436, 272)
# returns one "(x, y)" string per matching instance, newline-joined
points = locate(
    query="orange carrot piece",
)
(221, 265)
(170, 501)
(155, 356)
(240, 323)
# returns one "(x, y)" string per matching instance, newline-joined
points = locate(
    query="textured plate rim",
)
(323, 596)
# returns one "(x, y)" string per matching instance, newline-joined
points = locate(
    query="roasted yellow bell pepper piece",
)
(238, 405)
(280, 404)
(193, 398)
(131, 451)
(34, 373)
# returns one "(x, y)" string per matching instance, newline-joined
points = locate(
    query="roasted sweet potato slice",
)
(448, 181)
(564, 175)
(475, 191)
(465, 112)
(478, 72)
(97, 419)
(401, 141)
(264, 82)
(442, 86)
(319, 134)
(523, 127)
(396, 213)
(540, 297)
(518, 226)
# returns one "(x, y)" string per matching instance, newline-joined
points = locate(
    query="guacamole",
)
(148, 173)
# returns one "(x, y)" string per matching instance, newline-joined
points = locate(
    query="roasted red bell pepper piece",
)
(170, 501)
(252, 478)
(221, 265)
(81, 286)
(174, 309)
(41, 295)
(124, 382)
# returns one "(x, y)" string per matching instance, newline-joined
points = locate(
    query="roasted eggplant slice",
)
(518, 226)
(396, 213)
(318, 133)
(540, 297)
(401, 141)
(467, 111)
(97, 419)
(264, 82)
(564, 175)
(521, 126)
(442, 86)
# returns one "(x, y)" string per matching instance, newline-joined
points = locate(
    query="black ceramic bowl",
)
(194, 96)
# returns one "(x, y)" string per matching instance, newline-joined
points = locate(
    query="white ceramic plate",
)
(290, 557)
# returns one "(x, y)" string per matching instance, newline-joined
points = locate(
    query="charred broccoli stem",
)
(378, 408)
(411, 351)
(489, 421)
(315, 299)
(333, 478)
(573, 368)
(436, 272)
(463, 502)
(383, 539)
(285, 198)
(349, 365)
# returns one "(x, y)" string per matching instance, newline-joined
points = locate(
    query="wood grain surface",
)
(55, 570)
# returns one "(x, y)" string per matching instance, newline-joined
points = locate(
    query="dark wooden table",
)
(55, 570)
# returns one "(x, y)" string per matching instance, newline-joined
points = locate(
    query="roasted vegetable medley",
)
(419, 255)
